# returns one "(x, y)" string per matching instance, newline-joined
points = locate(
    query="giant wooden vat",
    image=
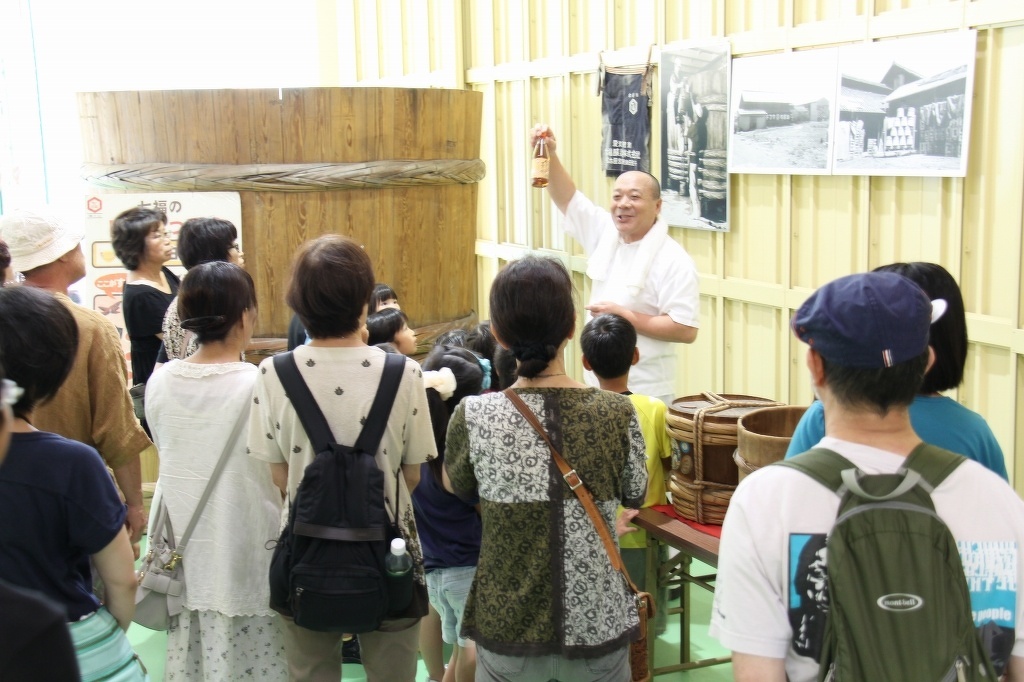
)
(393, 168)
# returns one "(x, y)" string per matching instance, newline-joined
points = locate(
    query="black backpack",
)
(898, 606)
(328, 570)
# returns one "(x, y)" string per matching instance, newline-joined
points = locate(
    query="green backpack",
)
(898, 604)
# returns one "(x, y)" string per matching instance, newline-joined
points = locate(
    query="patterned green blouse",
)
(544, 584)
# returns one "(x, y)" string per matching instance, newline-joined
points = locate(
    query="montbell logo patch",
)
(900, 602)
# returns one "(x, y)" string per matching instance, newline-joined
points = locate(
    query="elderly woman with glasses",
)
(140, 240)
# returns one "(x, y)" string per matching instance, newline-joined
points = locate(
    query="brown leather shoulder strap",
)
(575, 483)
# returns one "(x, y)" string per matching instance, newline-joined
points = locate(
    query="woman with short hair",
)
(332, 281)
(140, 240)
(59, 509)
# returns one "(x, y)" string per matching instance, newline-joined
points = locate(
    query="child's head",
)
(504, 365)
(609, 346)
(383, 297)
(480, 340)
(452, 337)
(391, 325)
(468, 377)
(464, 364)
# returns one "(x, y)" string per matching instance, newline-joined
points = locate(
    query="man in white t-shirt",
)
(868, 338)
(637, 270)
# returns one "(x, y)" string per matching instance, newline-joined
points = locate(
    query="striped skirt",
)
(103, 650)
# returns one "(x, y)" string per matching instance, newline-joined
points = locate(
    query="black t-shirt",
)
(58, 506)
(144, 309)
(35, 643)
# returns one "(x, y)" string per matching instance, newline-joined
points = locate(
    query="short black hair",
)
(38, 343)
(608, 342)
(876, 389)
(202, 240)
(533, 311)
(381, 293)
(129, 231)
(452, 337)
(504, 365)
(469, 378)
(212, 299)
(332, 279)
(384, 324)
(948, 335)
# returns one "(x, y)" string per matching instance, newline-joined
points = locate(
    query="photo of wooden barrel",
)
(704, 429)
(763, 437)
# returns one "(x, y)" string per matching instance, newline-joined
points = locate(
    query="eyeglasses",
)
(10, 392)
(235, 247)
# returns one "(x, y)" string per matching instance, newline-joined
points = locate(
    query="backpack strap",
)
(312, 417)
(296, 390)
(933, 463)
(823, 465)
(373, 430)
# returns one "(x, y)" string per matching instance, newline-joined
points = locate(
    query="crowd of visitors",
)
(507, 567)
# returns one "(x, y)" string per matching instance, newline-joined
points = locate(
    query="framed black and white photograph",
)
(781, 113)
(695, 134)
(904, 106)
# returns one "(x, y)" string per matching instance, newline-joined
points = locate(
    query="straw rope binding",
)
(699, 500)
(283, 177)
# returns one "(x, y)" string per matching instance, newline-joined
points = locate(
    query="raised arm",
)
(561, 188)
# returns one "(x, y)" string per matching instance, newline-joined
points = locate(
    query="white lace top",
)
(192, 410)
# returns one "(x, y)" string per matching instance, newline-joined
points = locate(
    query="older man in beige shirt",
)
(93, 405)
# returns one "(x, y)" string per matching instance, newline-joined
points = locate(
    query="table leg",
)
(684, 603)
(651, 580)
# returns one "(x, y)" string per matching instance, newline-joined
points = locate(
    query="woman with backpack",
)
(545, 602)
(332, 281)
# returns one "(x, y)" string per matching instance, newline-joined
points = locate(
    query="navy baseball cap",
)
(868, 321)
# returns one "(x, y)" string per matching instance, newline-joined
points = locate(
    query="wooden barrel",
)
(394, 168)
(763, 437)
(704, 429)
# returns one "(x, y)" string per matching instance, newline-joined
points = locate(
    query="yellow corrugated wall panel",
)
(753, 340)
(536, 60)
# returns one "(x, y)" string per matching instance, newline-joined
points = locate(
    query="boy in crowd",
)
(609, 350)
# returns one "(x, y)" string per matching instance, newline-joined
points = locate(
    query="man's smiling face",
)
(634, 206)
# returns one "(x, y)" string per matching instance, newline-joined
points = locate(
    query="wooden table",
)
(691, 544)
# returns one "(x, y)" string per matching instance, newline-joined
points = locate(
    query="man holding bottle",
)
(637, 270)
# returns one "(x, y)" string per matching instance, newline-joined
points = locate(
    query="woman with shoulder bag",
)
(198, 410)
(546, 601)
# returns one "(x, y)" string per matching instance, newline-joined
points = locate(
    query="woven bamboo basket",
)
(704, 427)
(763, 437)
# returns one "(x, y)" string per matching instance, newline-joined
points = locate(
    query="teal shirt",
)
(937, 420)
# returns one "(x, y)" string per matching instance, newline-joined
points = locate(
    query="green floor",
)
(151, 646)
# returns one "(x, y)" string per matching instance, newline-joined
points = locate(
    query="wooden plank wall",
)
(535, 60)
(420, 238)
